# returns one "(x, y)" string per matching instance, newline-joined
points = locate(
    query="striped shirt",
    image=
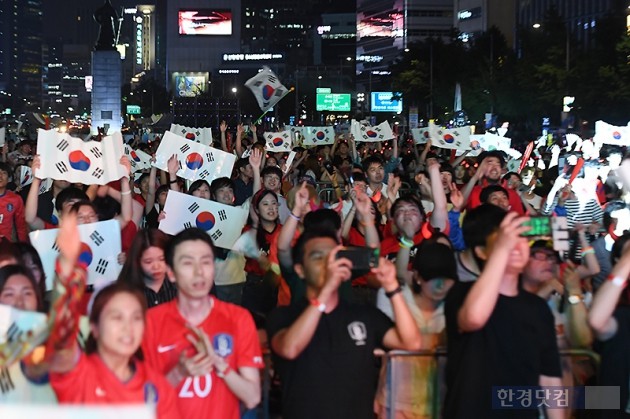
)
(167, 292)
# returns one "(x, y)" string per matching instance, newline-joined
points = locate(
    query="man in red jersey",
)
(208, 349)
(12, 221)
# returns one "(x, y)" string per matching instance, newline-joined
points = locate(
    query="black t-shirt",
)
(242, 191)
(515, 347)
(337, 373)
(614, 368)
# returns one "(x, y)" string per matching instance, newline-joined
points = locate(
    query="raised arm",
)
(173, 168)
(439, 216)
(255, 160)
(600, 316)
(30, 207)
(579, 333)
(223, 129)
(291, 224)
(150, 202)
(363, 204)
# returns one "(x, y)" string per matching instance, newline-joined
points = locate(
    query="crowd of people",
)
(352, 250)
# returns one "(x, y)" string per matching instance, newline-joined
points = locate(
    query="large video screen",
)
(205, 22)
(384, 102)
(190, 84)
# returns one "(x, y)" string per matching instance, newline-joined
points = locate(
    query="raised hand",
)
(334, 273)
(36, 165)
(172, 165)
(68, 242)
(223, 126)
(385, 273)
(393, 186)
(363, 204)
(124, 160)
(457, 197)
(239, 129)
(255, 159)
(509, 233)
(302, 198)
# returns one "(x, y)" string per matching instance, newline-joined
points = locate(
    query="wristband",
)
(390, 294)
(172, 181)
(226, 371)
(405, 243)
(126, 193)
(295, 217)
(618, 281)
(588, 250)
(321, 307)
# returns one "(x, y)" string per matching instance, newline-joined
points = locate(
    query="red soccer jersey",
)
(233, 335)
(92, 382)
(12, 216)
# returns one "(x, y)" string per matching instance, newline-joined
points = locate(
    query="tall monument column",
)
(107, 74)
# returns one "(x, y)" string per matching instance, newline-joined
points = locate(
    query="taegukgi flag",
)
(451, 138)
(70, 158)
(139, 159)
(223, 223)
(100, 247)
(266, 88)
(318, 135)
(367, 133)
(420, 135)
(26, 176)
(196, 161)
(20, 332)
(198, 135)
(279, 142)
(611, 134)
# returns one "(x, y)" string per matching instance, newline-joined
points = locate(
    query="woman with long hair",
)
(145, 267)
(260, 291)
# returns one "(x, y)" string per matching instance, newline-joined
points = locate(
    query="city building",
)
(474, 17)
(21, 54)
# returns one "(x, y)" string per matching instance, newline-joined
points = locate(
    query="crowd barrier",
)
(436, 401)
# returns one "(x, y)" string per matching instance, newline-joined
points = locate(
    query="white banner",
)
(196, 161)
(20, 332)
(611, 134)
(450, 138)
(367, 133)
(3, 134)
(198, 135)
(318, 135)
(420, 135)
(223, 223)
(139, 159)
(279, 142)
(67, 411)
(26, 176)
(266, 88)
(70, 158)
(100, 247)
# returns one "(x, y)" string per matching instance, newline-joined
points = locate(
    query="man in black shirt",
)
(323, 346)
(244, 181)
(498, 334)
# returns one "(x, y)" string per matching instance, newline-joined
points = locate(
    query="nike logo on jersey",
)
(161, 348)
(100, 392)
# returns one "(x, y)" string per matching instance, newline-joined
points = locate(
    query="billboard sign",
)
(190, 84)
(133, 110)
(205, 22)
(383, 102)
(335, 102)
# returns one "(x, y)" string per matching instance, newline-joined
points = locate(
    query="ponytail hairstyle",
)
(261, 240)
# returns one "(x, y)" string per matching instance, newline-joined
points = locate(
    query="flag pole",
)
(265, 113)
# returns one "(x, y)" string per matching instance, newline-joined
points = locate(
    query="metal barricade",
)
(436, 384)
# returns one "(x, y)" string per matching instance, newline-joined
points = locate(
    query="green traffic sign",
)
(323, 90)
(335, 102)
(133, 110)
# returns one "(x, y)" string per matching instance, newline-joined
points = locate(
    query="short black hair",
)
(489, 190)
(240, 164)
(271, 170)
(298, 250)
(617, 249)
(479, 223)
(69, 194)
(370, 160)
(218, 183)
(322, 219)
(198, 184)
(409, 199)
(493, 153)
(6, 167)
(189, 234)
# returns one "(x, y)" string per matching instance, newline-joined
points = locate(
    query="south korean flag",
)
(314, 136)
(453, 138)
(20, 333)
(420, 135)
(222, 222)
(26, 176)
(611, 134)
(100, 247)
(266, 88)
(139, 159)
(198, 135)
(279, 142)
(371, 134)
(196, 161)
(70, 158)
